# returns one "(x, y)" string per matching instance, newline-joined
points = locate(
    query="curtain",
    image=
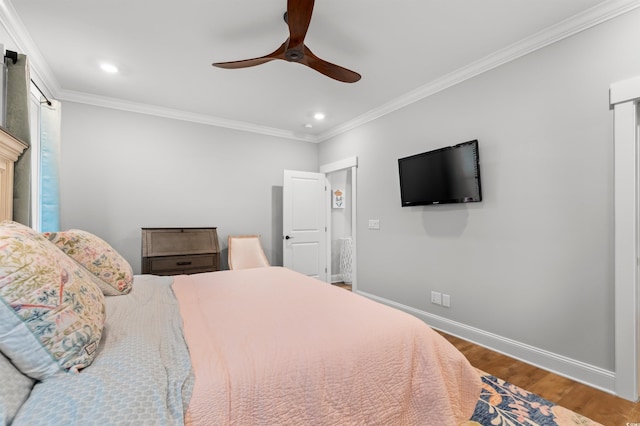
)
(17, 122)
(50, 119)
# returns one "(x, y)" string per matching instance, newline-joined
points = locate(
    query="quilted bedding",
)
(271, 346)
(141, 376)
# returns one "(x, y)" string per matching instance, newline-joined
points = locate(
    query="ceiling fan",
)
(298, 17)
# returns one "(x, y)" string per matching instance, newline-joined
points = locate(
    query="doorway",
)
(305, 213)
(342, 175)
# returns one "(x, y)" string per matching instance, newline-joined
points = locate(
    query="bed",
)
(263, 346)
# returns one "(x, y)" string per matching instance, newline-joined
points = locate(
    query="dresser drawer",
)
(171, 265)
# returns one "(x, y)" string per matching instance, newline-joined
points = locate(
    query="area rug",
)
(504, 404)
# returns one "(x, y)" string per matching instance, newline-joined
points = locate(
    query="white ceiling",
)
(404, 50)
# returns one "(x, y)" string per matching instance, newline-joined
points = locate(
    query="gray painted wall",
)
(122, 171)
(533, 262)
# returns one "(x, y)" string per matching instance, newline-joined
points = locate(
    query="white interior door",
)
(304, 217)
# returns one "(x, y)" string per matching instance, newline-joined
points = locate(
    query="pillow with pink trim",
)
(98, 257)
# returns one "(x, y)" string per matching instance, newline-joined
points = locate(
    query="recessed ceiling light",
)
(318, 116)
(308, 125)
(109, 68)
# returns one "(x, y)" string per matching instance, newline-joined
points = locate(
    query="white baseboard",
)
(579, 371)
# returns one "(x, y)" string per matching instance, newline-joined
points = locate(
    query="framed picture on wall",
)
(338, 199)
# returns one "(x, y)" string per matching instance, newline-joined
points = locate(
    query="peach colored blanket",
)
(270, 346)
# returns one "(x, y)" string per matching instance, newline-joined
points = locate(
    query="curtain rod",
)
(10, 54)
(43, 95)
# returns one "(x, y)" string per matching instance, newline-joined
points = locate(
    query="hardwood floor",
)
(592, 403)
(343, 285)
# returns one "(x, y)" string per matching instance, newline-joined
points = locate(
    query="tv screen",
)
(442, 176)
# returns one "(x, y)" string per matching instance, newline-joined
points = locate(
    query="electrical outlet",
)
(436, 298)
(446, 300)
(374, 223)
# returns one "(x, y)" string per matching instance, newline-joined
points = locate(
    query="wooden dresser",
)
(10, 150)
(176, 251)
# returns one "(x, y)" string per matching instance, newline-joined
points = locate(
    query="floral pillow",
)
(51, 309)
(98, 257)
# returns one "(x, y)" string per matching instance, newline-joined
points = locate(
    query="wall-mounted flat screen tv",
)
(442, 176)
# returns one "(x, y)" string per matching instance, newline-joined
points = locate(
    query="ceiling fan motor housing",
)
(293, 55)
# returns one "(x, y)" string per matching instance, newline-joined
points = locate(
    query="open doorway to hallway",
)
(341, 176)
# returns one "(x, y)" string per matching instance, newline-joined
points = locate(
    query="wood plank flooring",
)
(343, 285)
(592, 403)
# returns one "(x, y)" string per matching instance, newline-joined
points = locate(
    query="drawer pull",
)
(183, 263)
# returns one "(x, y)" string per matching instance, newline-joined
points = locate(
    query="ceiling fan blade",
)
(327, 68)
(277, 54)
(298, 18)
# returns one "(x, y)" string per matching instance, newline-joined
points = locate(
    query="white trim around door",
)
(624, 99)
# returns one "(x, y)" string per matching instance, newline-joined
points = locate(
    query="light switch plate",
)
(446, 300)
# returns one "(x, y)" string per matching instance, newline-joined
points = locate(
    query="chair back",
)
(245, 251)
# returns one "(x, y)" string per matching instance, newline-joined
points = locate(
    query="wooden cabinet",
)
(176, 251)
(10, 150)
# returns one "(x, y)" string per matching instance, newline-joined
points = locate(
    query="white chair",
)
(245, 251)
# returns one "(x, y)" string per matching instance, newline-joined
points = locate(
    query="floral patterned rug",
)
(504, 404)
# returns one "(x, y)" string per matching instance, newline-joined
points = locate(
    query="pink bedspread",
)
(270, 346)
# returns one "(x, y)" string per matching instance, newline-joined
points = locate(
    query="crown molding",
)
(107, 102)
(575, 24)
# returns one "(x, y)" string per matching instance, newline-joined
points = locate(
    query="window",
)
(45, 146)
